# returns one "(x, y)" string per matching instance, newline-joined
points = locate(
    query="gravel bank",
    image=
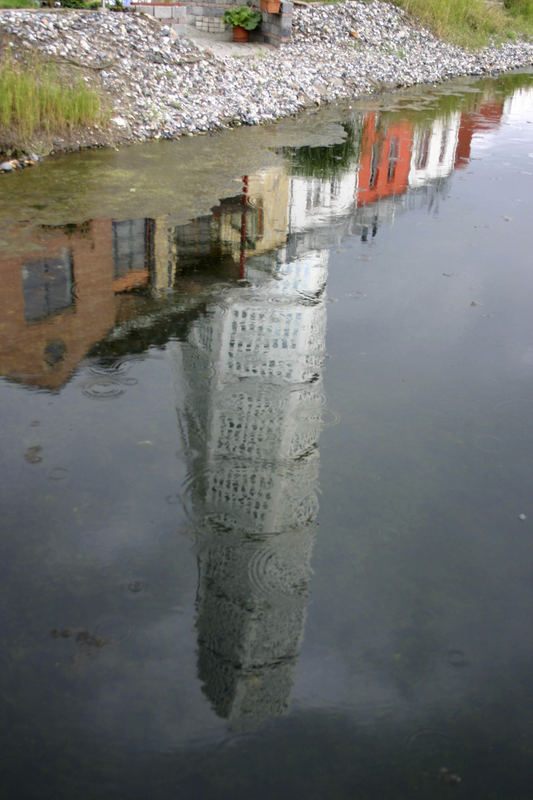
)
(163, 86)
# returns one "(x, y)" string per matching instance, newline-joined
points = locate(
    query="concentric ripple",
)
(271, 576)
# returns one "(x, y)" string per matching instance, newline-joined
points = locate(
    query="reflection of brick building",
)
(79, 281)
(63, 297)
(55, 303)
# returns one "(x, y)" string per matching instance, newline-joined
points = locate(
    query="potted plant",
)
(242, 20)
(270, 6)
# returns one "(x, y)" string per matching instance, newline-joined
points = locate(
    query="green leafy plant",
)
(243, 17)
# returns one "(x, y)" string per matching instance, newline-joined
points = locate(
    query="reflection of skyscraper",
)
(252, 422)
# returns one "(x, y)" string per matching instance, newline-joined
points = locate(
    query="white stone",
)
(120, 122)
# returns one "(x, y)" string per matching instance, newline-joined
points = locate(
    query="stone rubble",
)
(162, 86)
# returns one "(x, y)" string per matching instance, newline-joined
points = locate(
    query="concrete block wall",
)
(276, 28)
(172, 14)
(207, 16)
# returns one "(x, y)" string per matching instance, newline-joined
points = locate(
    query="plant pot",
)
(240, 34)
(270, 6)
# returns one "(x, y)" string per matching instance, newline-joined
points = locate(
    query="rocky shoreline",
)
(161, 86)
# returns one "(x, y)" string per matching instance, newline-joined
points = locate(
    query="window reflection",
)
(47, 285)
(133, 246)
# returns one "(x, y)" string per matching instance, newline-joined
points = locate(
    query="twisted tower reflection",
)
(252, 419)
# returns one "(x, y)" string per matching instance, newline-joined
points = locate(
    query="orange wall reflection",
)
(486, 118)
(385, 159)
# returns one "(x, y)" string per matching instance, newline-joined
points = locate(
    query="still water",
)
(266, 453)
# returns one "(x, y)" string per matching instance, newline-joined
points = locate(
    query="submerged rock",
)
(448, 777)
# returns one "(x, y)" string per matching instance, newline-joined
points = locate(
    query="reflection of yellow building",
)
(165, 253)
(265, 198)
(252, 222)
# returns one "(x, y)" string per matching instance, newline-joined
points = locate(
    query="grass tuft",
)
(17, 4)
(472, 23)
(520, 9)
(33, 100)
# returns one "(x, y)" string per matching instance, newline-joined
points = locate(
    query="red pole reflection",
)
(244, 201)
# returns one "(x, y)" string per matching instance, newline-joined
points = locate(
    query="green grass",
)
(326, 162)
(520, 9)
(34, 100)
(472, 23)
(17, 4)
(91, 5)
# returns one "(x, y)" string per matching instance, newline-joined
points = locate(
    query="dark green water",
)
(266, 455)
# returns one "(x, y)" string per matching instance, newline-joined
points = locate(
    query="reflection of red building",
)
(385, 160)
(485, 119)
(389, 153)
(61, 299)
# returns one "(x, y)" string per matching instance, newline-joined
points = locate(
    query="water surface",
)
(266, 459)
